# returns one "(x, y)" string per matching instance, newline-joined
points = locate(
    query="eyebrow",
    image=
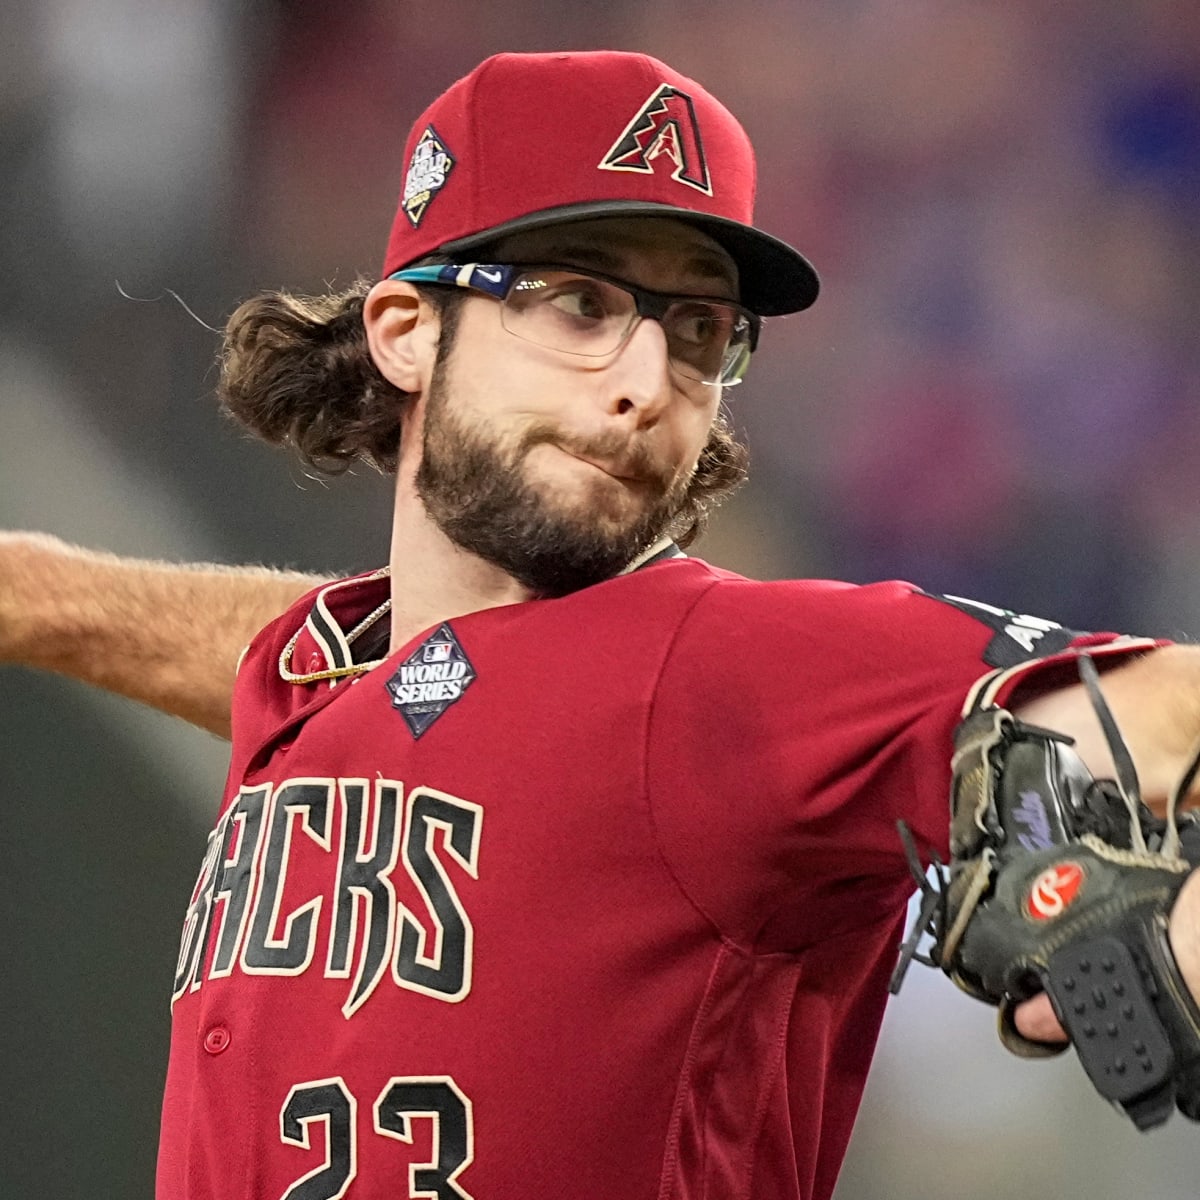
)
(700, 263)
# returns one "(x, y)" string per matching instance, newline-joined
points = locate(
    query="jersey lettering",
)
(267, 952)
(195, 921)
(364, 890)
(445, 970)
(234, 880)
(274, 845)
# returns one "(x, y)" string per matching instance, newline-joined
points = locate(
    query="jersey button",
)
(216, 1039)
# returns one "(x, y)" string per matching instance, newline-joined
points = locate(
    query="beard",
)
(476, 489)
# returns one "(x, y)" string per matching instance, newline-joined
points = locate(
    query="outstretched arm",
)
(164, 634)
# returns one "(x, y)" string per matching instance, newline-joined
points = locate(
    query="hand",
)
(1035, 1018)
(1036, 1021)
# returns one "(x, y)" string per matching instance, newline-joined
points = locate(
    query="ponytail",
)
(296, 371)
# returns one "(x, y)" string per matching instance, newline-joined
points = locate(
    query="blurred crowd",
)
(997, 394)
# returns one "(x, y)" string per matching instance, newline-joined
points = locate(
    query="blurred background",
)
(996, 396)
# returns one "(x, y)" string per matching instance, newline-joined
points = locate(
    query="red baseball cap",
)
(528, 140)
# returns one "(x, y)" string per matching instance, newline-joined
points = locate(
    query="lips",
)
(616, 470)
(623, 469)
(618, 460)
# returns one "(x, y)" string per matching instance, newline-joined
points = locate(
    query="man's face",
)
(561, 469)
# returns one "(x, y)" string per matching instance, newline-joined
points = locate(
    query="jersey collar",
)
(323, 648)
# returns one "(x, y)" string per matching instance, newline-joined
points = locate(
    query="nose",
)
(639, 380)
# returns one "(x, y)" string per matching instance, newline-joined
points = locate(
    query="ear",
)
(402, 333)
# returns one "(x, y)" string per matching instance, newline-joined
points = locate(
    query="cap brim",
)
(774, 279)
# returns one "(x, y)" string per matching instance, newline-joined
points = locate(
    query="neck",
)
(433, 580)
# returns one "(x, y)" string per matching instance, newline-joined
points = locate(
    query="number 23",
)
(329, 1102)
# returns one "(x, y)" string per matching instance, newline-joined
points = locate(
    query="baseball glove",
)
(1062, 883)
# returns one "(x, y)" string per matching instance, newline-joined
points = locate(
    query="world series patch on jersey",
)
(554, 901)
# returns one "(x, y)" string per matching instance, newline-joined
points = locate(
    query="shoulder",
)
(832, 635)
(824, 610)
(892, 611)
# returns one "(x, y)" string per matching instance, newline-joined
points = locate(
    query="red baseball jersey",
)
(587, 897)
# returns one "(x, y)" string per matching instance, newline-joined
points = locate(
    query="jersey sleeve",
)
(795, 723)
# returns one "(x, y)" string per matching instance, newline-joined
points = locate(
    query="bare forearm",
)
(1155, 699)
(166, 635)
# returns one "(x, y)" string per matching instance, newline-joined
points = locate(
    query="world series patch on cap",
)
(529, 140)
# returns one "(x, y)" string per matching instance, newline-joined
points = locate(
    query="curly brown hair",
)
(297, 371)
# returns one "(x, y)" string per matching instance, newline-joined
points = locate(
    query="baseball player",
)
(554, 862)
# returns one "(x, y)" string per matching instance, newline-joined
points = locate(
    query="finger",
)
(1036, 1021)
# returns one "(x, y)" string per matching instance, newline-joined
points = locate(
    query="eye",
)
(581, 298)
(702, 324)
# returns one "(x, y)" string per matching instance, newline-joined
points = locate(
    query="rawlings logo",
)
(1053, 890)
(665, 124)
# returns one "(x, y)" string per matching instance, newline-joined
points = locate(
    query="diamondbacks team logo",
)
(665, 125)
(1053, 890)
(427, 174)
(433, 677)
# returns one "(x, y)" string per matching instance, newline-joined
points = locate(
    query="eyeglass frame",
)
(496, 280)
